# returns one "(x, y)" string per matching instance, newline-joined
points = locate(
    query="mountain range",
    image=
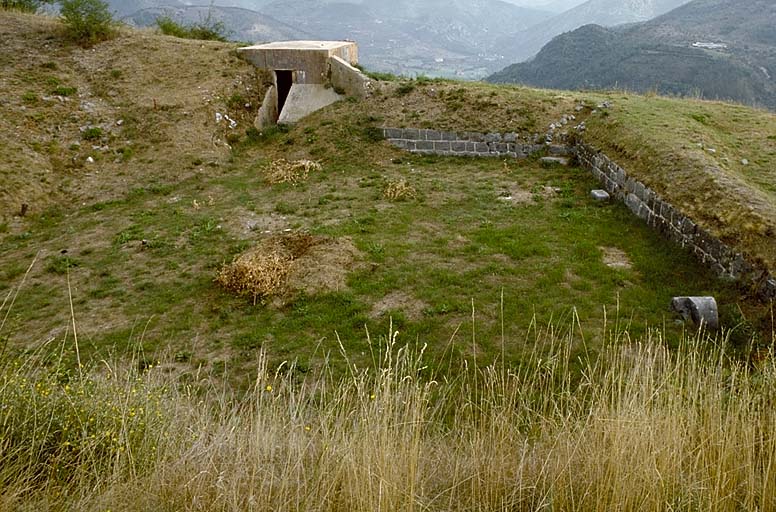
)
(716, 49)
(524, 44)
(452, 38)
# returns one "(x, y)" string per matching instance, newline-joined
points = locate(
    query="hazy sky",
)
(565, 4)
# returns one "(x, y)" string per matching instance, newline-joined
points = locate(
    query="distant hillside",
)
(240, 24)
(664, 55)
(435, 37)
(524, 44)
(454, 38)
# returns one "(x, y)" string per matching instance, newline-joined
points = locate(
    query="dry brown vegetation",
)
(283, 171)
(289, 263)
(141, 123)
(399, 190)
(642, 428)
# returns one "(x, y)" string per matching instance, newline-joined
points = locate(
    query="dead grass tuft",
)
(283, 171)
(283, 264)
(399, 190)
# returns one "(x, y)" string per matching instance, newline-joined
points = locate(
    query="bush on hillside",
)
(87, 21)
(207, 29)
(23, 5)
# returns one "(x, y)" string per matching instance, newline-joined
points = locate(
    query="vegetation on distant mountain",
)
(200, 22)
(23, 5)
(525, 43)
(662, 55)
(206, 30)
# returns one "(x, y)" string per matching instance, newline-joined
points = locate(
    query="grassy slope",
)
(664, 142)
(176, 185)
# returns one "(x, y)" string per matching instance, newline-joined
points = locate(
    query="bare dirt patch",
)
(243, 222)
(519, 196)
(282, 265)
(615, 258)
(399, 301)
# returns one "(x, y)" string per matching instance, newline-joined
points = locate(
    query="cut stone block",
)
(554, 160)
(599, 195)
(701, 310)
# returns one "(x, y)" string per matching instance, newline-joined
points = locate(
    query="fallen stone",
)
(701, 310)
(554, 160)
(744, 161)
(599, 195)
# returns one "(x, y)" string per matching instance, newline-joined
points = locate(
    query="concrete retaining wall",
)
(348, 79)
(640, 199)
(435, 142)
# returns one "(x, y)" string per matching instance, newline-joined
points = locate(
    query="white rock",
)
(90, 160)
(744, 161)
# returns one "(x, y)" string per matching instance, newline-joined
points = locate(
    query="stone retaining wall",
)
(640, 199)
(435, 142)
(672, 223)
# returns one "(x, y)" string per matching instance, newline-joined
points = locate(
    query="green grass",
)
(145, 265)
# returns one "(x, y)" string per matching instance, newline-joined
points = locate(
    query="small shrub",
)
(207, 29)
(30, 98)
(60, 265)
(236, 101)
(23, 5)
(92, 133)
(87, 21)
(64, 91)
(253, 134)
(373, 134)
(405, 89)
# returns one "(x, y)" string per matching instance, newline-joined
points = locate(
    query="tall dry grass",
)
(636, 426)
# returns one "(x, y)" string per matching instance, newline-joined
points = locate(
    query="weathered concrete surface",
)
(310, 59)
(348, 79)
(304, 99)
(701, 310)
(268, 112)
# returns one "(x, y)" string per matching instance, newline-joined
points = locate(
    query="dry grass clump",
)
(399, 190)
(283, 171)
(282, 264)
(262, 271)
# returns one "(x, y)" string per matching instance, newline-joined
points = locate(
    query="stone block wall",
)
(673, 224)
(642, 201)
(435, 142)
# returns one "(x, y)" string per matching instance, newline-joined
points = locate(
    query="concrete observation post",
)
(307, 76)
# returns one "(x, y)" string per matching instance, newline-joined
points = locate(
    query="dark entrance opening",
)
(285, 79)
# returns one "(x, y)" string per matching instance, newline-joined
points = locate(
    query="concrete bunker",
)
(307, 76)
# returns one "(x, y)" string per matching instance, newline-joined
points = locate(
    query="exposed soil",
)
(615, 258)
(89, 124)
(323, 267)
(411, 307)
